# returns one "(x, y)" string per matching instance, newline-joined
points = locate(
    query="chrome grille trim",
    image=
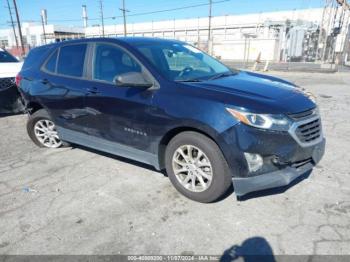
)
(308, 131)
(301, 115)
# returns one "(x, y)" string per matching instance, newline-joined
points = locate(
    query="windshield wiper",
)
(225, 74)
(189, 80)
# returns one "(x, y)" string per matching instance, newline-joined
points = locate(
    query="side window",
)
(71, 60)
(51, 63)
(111, 61)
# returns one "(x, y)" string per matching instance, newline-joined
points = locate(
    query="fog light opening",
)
(255, 161)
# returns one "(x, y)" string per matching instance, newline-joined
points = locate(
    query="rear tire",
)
(196, 167)
(42, 130)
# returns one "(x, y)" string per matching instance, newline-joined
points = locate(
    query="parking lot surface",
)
(78, 201)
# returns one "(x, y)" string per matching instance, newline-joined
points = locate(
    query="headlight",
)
(264, 121)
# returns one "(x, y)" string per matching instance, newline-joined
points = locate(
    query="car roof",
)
(133, 41)
(147, 40)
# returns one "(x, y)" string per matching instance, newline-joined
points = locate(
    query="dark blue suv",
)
(168, 104)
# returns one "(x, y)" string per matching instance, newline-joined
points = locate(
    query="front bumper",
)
(282, 177)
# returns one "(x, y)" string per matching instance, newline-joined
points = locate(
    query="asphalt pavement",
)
(79, 201)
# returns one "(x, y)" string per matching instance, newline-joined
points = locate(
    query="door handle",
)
(45, 81)
(92, 90)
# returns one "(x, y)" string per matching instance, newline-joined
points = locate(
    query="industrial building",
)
(292, 35)
(234, 37)
(33, 35)
(274, 36)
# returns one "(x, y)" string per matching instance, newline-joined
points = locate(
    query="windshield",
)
(5, 57)
(182, 62)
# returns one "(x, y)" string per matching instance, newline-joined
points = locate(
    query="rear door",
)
(63, 84)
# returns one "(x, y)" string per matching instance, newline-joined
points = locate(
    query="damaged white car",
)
(10, 100)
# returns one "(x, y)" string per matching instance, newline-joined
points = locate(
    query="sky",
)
(69, 12)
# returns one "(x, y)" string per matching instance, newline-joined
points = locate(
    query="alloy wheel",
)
(46, 133)
(192, 168)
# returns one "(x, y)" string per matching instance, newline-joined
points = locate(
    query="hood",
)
(258, 93)
(10, 69)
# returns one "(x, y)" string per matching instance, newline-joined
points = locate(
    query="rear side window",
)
(71, 60)
(51, 63)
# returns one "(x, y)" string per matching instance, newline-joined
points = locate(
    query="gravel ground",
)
(77, 201)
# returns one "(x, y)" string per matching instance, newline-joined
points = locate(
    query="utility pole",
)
(44, 22)
(19, 28)
(326, 28)
(85, 17)
(12, 23)
(124, 15)
(102, 19)
(344, 28)
(209, 29)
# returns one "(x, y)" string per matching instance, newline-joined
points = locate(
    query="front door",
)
(117, 114)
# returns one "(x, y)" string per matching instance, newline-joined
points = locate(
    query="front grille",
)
(310, 131)
(301, 163)
(307, 129)
(6, 83)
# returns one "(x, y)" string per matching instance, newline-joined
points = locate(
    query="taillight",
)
(18, 80)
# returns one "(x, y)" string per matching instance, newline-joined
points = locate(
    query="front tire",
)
(42, 130)
(196, 167)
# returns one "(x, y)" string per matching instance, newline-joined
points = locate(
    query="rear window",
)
(6, 57)
(71, 60)
(35, 57)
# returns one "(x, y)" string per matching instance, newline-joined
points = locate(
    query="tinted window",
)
(71, 60)
(36, 57)
(5, 57)
(111, 61)
(51, 63)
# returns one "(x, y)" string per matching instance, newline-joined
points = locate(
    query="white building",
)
(33, 34)
(275, 36)
(233, 36)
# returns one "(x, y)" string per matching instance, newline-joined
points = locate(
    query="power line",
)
(178, 8)
(141, 13)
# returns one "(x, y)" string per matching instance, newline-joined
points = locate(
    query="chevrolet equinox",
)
(167, 104)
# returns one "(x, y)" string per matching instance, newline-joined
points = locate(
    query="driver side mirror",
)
(132, 79)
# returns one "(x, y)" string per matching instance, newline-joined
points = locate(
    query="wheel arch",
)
(32, 107)
(176, 131)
